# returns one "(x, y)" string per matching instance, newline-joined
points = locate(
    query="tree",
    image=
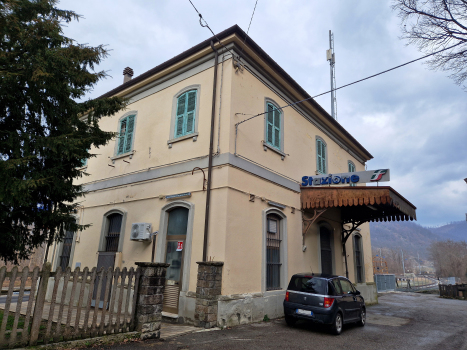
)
(433, 25)
(449, 258)
(45, 131)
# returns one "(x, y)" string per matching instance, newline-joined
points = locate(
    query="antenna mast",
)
(331, 57)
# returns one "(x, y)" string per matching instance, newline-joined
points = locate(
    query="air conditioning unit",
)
(140, 231)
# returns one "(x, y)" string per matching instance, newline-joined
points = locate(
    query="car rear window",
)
(313, 285)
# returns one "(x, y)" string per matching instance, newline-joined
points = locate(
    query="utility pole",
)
(331, 57)
(380, 257)
(403, 266)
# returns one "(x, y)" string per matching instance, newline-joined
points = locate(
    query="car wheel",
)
(290, 321)
(362, 320)
(337, 324)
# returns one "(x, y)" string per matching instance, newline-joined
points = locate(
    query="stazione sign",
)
(346, 178)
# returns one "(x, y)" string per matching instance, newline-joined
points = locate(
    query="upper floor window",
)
(186, 114)
(351, 167)
(125, 134)
(321, 165)
(273, 126)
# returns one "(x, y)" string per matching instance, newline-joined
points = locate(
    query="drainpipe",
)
(211, 143)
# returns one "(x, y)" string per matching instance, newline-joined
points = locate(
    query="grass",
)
(10, 321)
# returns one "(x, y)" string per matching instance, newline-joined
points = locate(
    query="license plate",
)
(304, 312)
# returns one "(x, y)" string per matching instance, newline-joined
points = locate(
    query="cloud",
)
(412, 119)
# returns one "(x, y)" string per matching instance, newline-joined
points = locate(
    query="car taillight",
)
(328, 302)
(286, 296)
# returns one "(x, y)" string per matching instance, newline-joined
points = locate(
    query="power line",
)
(355, 82)
(206, 25)
(251, 20)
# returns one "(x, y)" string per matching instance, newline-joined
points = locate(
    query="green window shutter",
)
(129, 133)
(121, 136)
(277, 128)
(190, 118)
(180, 118)
(181, 105)
(270, 125)
(179, 126)
(321, 156)
(351, 167)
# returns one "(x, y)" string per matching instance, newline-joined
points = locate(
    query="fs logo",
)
(378, 174)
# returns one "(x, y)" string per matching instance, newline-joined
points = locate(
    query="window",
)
(273, 126)
(321, 156)
(326, 250)
(352, 170)
(186, 114)
(113, 234)
(125, 135)
(337, 286)
(357, 246)
(347, 287)
(273, 252)
(66, 250)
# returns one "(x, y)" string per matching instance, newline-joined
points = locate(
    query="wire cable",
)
(206, 25)
(355, 82)
(251, 20)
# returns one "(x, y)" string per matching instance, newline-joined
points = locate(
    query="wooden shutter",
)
(129, 133)
(351, 167)
(121, 136)
(180, 118)
(277, 128)
(191, 106)
(270, 124)
(321, 156)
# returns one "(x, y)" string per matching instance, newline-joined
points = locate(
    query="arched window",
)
(273, 126)
(126, 130)
(186, 114)
(358, 258)
(112, 236)
(325, 238)
(321, 161)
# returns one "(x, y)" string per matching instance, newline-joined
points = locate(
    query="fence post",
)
(149, 299)
(208, 288)
(39, 306)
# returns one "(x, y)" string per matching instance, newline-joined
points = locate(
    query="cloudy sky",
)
(412, 120)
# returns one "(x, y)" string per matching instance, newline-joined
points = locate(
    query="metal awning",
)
(360, 204)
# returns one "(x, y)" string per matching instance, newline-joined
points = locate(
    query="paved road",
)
(14, 298)
(399, 321)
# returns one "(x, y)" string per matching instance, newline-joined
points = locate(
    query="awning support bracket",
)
(345, 236)
(308, 222)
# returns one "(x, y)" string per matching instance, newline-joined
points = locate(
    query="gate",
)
(385, 283)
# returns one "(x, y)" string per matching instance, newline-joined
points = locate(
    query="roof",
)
(258, 51)
(381, 203)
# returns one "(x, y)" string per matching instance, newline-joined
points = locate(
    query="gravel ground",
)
(399, 321)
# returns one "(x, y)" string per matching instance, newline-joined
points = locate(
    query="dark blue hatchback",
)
(326, 299)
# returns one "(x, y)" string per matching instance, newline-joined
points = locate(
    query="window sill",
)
(267, 146)
(124, 155)
(194, 136)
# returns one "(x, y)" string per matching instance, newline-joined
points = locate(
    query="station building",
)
(266, 219)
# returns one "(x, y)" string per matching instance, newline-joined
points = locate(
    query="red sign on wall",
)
(179, 246)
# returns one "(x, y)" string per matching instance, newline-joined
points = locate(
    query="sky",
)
(412, 120)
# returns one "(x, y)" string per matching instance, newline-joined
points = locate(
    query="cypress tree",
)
(46, 130)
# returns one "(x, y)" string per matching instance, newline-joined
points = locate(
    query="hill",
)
(456, 231)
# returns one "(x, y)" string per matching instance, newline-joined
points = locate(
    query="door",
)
(105, 260)
(176, 234)
(326, 250)
(350, 304)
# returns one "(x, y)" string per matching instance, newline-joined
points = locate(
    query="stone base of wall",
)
(369, 292)
(239, 309)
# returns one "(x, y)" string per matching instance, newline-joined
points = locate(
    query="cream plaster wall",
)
(248, 97)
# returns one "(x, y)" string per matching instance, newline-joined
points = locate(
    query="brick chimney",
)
(127, 74)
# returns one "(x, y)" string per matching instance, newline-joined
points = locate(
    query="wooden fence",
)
(458, 291)
(66, 305)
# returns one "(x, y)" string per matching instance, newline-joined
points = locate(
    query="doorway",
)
(177, 225)
(326, 250)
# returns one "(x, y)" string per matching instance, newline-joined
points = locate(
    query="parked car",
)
(325, 299)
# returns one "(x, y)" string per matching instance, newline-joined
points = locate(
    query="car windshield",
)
(309, 285)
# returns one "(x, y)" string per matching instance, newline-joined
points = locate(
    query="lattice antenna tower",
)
(331, 57)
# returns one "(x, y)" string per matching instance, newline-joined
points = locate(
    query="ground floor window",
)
(113, 234)
(358, 258)
(273, 252)
(66, 250)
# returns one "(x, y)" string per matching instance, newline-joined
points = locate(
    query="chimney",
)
(127, 74)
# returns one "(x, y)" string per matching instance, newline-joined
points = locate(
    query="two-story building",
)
(263, 221)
